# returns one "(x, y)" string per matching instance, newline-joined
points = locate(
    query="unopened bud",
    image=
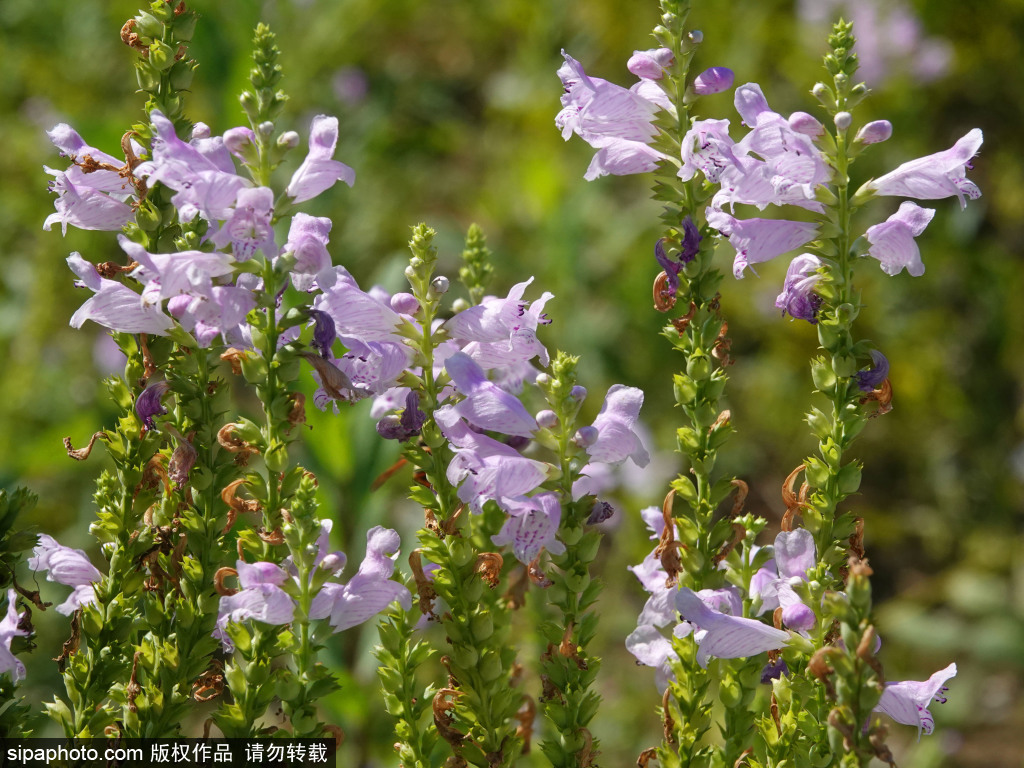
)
(289, 139)
(586, 436)
(543, 380)
(843, 120)
(236, 140)
(808, 125)
(696, 37)
(200, 131)
(578, 393)
(333, 562)
(405, 304)
(713, 80)
(266, 129)
(650, 65)
(439, 285)
(547, 419)
(874, 132)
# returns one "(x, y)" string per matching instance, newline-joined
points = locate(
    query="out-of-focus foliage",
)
(447, 113)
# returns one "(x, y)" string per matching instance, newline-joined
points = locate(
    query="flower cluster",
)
(206, 291)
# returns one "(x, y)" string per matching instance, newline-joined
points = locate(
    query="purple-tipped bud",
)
(324, 332)
(798, 616)
(696, 37)
(713, 80)
(843, 120)
(774, 670)
(200, 131)
(148, 405)
(586, 436)
(808, 125)
(547, 419)
(237, 140)
(870, 379)
(650, 65)
(405, 304)
(601, 511)
(578, 393)
(874, 132)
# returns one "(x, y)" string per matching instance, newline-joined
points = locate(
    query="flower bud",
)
(713, 80)
(543, 380)
(405, 304)
(200, 131)
(265, 128)
(874, 132)
(439, 285)
(585, 436)
(288, 139)
(823, 94)
(333, 562)
(547, 419)
(578, 393)
(650, 65)
(808, 125)
(843, 120)
(696, 37)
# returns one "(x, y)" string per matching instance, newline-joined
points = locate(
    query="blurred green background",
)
(446, 112)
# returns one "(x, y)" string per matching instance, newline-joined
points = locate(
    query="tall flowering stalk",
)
(707, 569)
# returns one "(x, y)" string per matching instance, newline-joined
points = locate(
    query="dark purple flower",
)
(324, 332)
(871, 378)
(147, 405)
(408, 425)
(600, 512)
(671, 266)
(774, 670)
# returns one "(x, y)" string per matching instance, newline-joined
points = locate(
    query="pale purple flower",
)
(483, 468)
(486, 405)
(239, 142)
(870, 379)
(725, 636)
(307, 242)
(532, 525)
(248, 227)
(798, 298)
(616, 121)
(713, 80)
(370, 591)
(935, 176)
(115, 306)
(616, 438)
(707, 148)
(319, 171)
(260, 598)
(85, 207)
(502, 333)
(794, 554)
(367, 368)
(165, 275)
(201, 173)
(652, 649)
(359, 314)
(874, 132)
(907, 702)
(759, 240)
(892, 241)
(70, 567)
(8, 631)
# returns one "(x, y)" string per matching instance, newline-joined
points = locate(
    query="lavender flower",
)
(532, 525)
(892, 241)
(798, 298)
(260, 598)
(307, 242)
(8, 631)
(319, 171)
(70, 567)
(907, 702)
(794, 554)
(936, 176)
(113, 305)
(651, 64)
(370, 591)
(486, 405)
(713, 80)
(723, 635)
(874, 132)
(759, 240)
(616, 438)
